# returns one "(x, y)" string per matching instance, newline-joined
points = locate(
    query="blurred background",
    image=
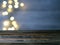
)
(35, 15)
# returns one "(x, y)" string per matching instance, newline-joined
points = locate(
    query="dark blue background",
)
(37, 15)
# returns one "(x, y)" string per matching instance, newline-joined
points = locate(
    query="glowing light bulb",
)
(4, 13)
(16, 6)
(11, 18)
(10, 6)
(22, 4)
(6, 23)
(5, 2)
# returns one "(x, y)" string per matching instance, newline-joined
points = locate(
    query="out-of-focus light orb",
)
(10, 6)
(11, 29)
(21, 4)
(4, 2)
(3, 6)
(4, 29)
(12, 18)
(16, 26)
(4, 13)
(9, 10)
(14, 23)
(16, 6)
(10, 1)
(15, 0)
(6, 23)
(16, 3)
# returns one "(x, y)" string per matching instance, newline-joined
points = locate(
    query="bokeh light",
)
(3, 6)
(15, 0)
(21, 4)
(4, 29)
(9, 10)
(10, 6)
(6, 23)
(14, 23)
(16, 6)
(12, 18)
(10, 1)
(16, 3)
(4, 13)
(11, 29)
(4, 2)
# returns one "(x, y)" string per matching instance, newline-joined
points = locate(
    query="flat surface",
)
(20, 37)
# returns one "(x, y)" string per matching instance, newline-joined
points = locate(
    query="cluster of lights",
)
(16, 4)
(10, 4)
(7, 23)
(4, 4)
(10, 24)
(6, 26)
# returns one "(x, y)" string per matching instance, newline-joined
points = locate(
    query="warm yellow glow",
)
(14, 23)
(11, 28)
(4, 2)
(3, 6)
(10, 2)
(9, 10)
(16, 26)
(6, 23)
(4, 13)
(15, 0)
(22, 4)
(4, 29)
(10, 6)
(11, 18)
(16, 6)
(16, 3)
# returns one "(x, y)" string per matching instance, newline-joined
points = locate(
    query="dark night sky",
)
(38, 14)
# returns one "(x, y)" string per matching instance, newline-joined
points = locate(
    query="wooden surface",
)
(25, 37)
